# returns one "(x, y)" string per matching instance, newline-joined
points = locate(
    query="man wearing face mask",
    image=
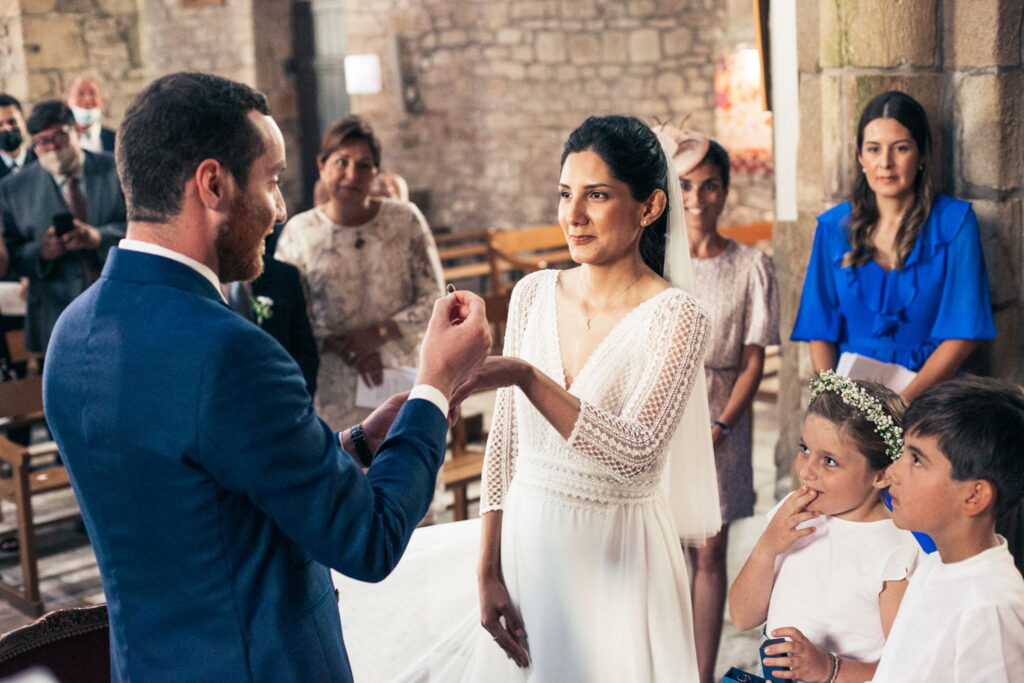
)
(86, 102)
(61, 214)
(15, 146)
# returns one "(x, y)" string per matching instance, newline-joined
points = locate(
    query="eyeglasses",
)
(56, 140)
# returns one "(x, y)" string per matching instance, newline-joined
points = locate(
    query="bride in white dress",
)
(597, 464)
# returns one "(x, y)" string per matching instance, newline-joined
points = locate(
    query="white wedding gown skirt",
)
(602, 589)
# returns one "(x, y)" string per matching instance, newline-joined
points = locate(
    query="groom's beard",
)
(240, 243)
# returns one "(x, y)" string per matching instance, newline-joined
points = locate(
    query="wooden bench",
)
(526, 250)
(21, 404)
(466, 464)
(463, 255)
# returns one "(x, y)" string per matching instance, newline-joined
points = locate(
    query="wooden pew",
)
(463, 255)
(21, 404)
(526, 250)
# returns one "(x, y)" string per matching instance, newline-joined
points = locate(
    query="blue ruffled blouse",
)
(900, 316)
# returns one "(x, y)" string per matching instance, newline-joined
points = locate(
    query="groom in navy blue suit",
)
(215, 498)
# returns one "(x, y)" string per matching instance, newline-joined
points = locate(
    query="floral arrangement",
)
(855, 396)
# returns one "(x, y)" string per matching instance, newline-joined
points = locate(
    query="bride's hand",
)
(500, 618)
(495, 372)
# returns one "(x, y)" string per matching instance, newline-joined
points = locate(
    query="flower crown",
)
(855, 396)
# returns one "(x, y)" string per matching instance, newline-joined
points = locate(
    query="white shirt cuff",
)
(432, 394)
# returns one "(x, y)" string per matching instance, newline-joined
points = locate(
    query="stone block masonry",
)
(503, 84)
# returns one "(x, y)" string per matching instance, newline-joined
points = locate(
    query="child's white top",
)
(827, 584)
(959, 622)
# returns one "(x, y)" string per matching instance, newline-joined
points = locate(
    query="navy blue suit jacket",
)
(214, 496)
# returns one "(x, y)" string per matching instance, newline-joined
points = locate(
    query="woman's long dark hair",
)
(863, 205)
(634, 156)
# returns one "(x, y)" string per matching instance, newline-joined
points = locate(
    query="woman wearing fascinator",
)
(737, 283)
(599, 458)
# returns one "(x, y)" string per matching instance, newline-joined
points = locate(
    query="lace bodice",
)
(632, 391)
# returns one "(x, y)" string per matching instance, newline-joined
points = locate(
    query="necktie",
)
(75, 198)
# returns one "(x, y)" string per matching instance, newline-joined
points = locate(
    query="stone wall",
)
(215, 37)
(500, 85)
(64, 39)
(962, 59)
(13, 71)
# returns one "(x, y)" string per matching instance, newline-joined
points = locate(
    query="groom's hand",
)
(457, 341)
(376, 426)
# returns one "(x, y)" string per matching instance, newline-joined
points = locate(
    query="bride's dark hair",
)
(634, 156)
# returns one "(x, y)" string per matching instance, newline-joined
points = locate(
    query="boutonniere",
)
(262, 308)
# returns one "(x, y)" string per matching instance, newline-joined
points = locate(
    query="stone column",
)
(962, 60)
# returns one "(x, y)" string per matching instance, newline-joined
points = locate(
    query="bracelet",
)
(726, 429)
(363, 453)
(836, 662)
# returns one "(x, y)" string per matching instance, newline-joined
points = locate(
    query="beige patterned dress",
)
(387, 268)
(738, 287)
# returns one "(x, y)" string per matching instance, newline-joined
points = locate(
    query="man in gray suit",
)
(61, 215)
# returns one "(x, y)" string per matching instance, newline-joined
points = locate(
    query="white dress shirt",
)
(15, 163)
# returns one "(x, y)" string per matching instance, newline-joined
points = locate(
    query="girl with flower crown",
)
(829, 571)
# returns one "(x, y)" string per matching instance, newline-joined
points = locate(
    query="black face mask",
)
(10, 140)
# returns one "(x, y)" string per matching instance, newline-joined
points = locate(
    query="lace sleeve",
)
(629, 444)
(502, 445)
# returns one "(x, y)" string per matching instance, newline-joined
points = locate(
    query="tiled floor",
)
(69, 575)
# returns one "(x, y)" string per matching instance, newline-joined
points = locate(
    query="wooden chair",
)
(526, 250)
(463, 255)
(74, 643)
(466, 464)
(21, 404)
(20, 354)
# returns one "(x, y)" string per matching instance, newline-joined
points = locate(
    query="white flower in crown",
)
(855, 396)
(262, 308)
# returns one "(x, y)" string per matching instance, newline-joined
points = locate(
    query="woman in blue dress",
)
(896, 274)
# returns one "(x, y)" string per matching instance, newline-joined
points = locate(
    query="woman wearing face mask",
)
(737, 283)
(371, 270)
(896, 274)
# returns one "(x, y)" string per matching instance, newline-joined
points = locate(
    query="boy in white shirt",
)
(962, 617)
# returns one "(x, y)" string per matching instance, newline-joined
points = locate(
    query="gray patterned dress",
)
(738, 287)
(386, 268)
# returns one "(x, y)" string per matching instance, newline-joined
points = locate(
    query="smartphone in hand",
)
(63, 223)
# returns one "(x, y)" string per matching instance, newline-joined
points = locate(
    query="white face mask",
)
(86, 117)
(59, 161)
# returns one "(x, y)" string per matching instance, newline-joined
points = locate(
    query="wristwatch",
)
(726, 429)
(363, 453)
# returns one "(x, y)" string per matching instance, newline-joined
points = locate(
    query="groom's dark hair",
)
(634, 156)
(172, 126)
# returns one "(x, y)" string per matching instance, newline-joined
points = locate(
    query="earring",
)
(643, 223)
(863, 170)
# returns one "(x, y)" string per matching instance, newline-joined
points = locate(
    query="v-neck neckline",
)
(569, 385)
